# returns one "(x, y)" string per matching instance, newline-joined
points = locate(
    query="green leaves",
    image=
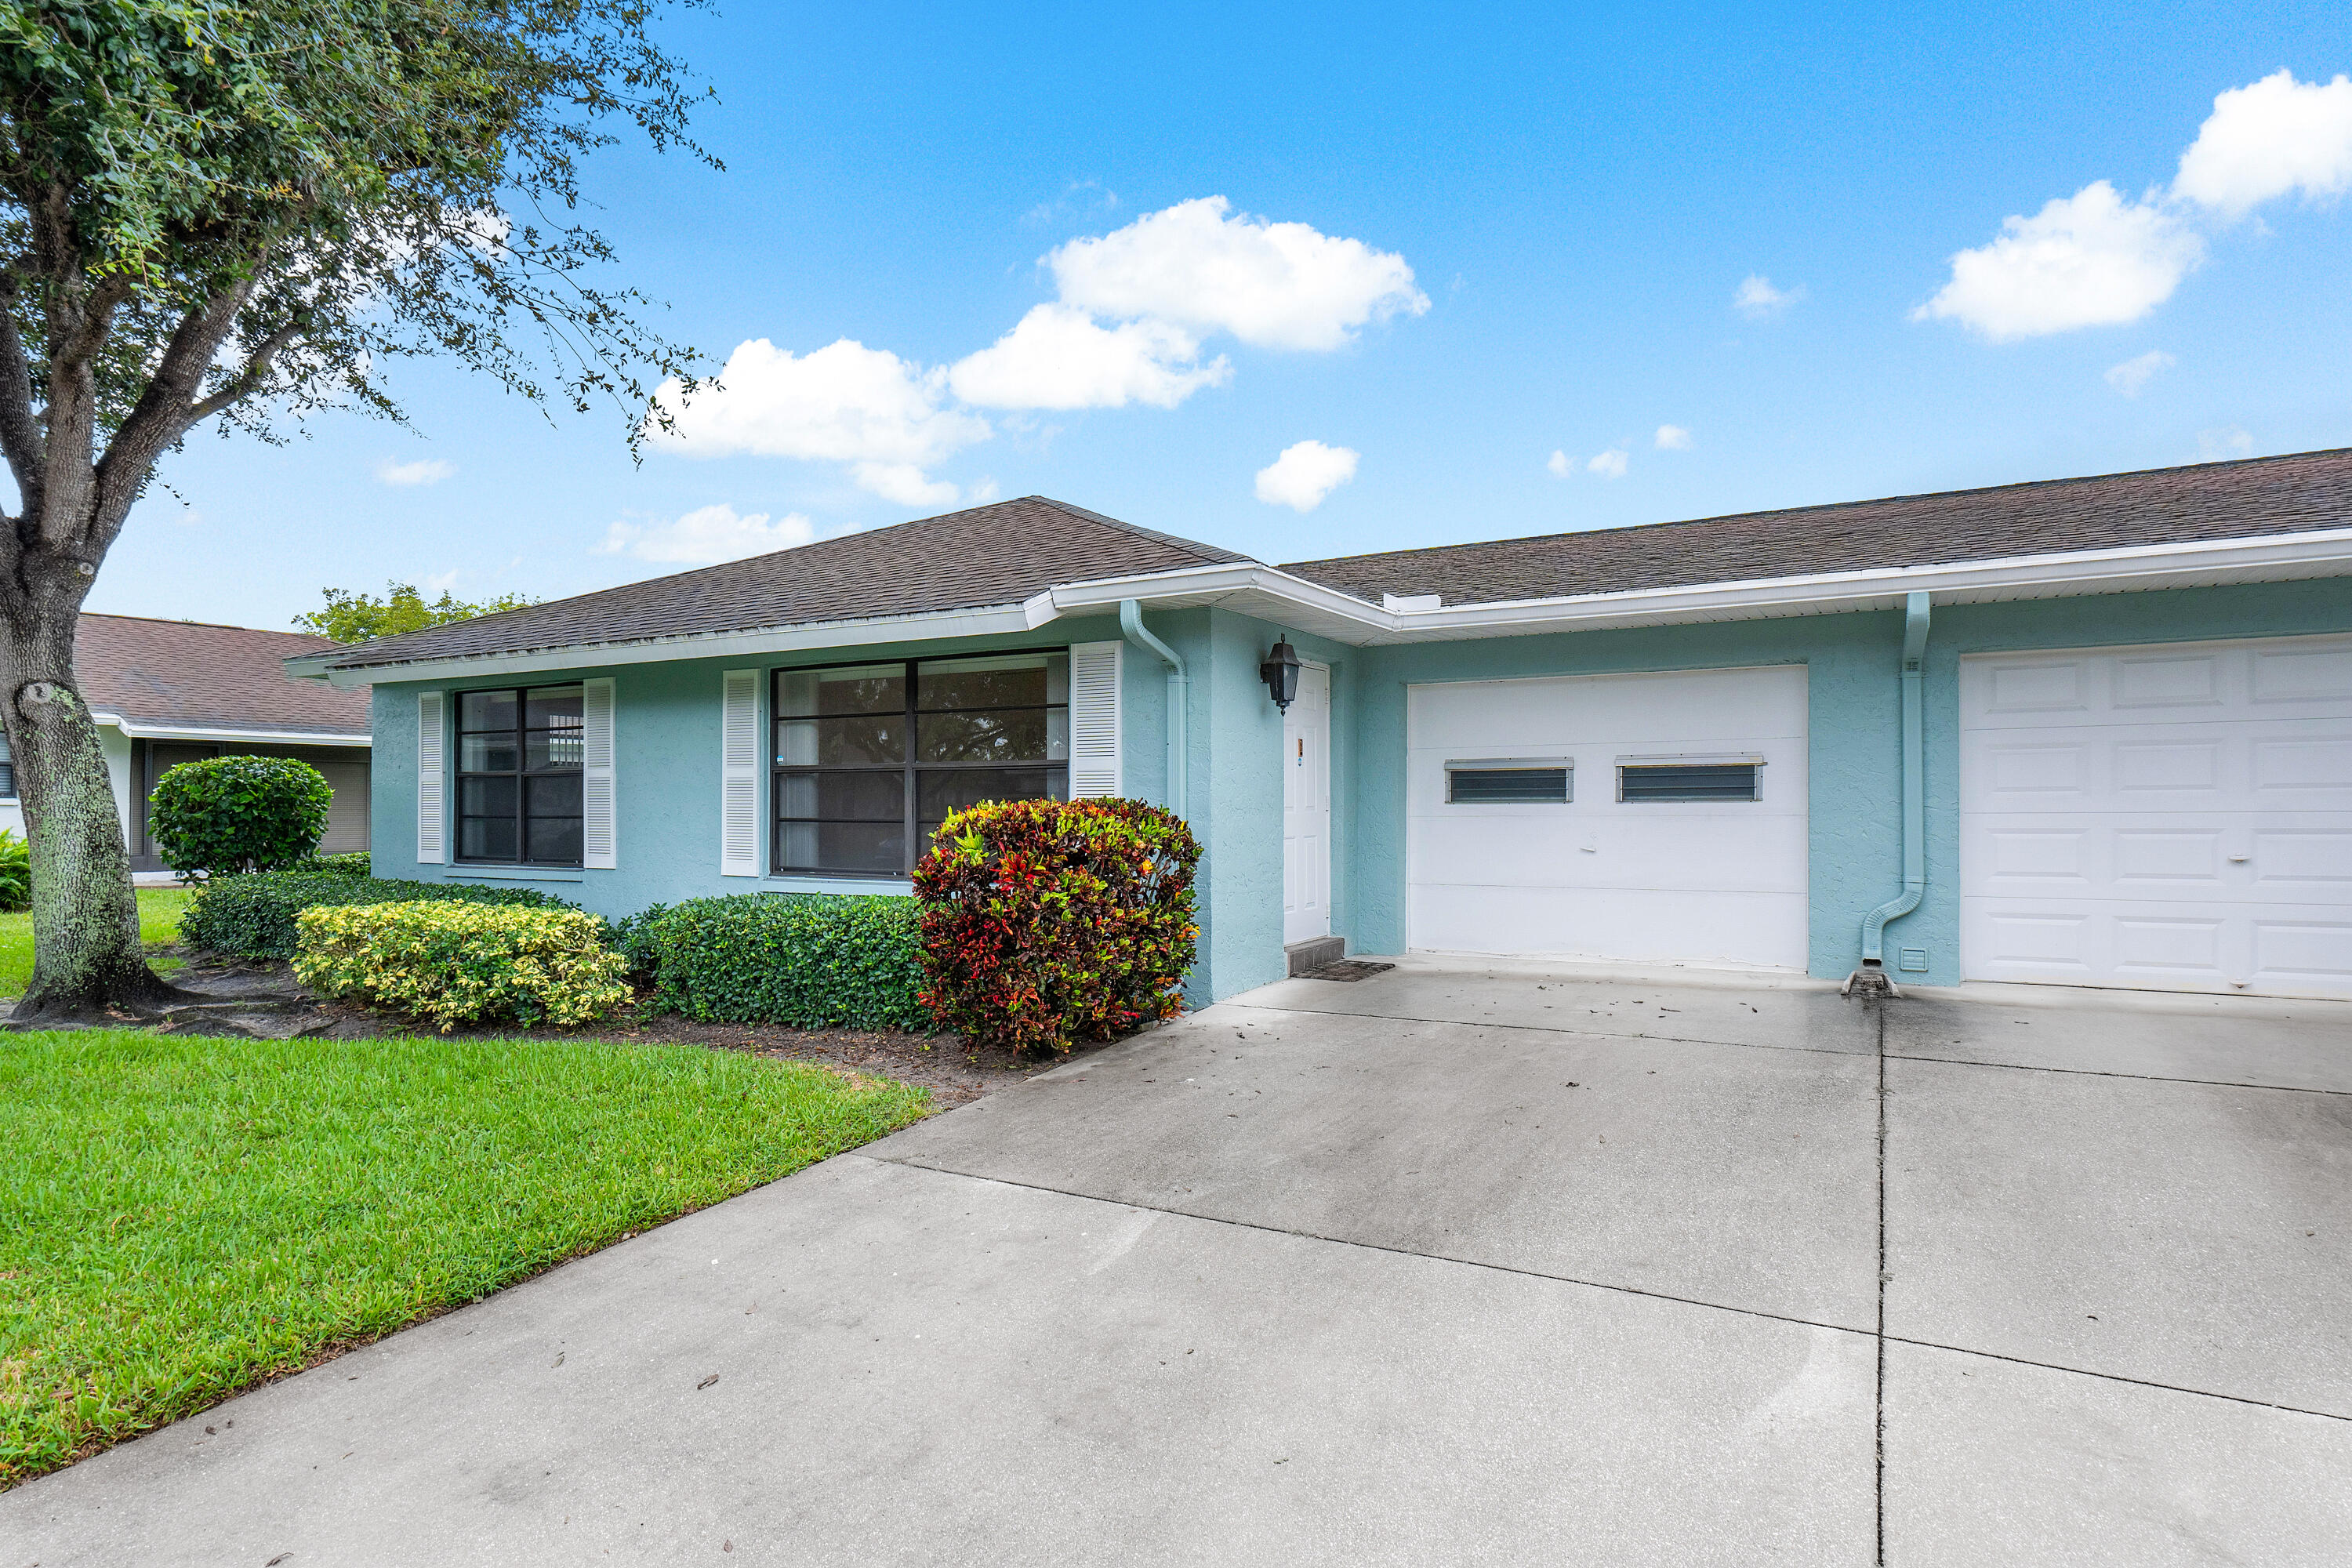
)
(355, 617)
(254, 916)
(809, 960)
(240, 814)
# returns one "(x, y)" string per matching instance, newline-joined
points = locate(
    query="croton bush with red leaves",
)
(1047, 921)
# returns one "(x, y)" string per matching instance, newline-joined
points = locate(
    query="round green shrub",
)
(1049, 921)
(15, 872)
(240, 814)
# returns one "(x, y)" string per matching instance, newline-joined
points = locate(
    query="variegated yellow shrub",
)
(463, 964)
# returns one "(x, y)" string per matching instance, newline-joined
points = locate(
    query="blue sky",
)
(1497, 236)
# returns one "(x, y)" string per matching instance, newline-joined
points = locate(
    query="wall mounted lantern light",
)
(1280, 673)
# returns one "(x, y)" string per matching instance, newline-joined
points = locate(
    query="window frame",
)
(911, 769)
(1564, 766)
(520, 774)
(1714, 763)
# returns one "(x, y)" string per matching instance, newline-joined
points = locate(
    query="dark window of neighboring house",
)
(870, 758)
(1687, 781)
(519, 776)
(7, 771)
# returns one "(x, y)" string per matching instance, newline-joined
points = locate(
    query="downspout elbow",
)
(1130, 624)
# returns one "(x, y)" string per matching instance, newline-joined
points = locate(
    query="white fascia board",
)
(1274, 595)
(989, 621)
(139, 731)
(2323, 553)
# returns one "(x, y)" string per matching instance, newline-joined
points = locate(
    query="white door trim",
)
(1306, 822)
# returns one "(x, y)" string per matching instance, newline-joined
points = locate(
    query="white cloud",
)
(1756, 300)
(2090, 260)
(1060, 357)
(424, 471)
(1609, 465)
(1304, 473)
(441, 582)
(2221, 446)
(1673, 439)
(1562, 465)
(882, 416)
(706, 536)
(2133, 373)
(1279, 285)
(2269, 138)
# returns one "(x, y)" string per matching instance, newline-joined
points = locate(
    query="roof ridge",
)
(211, 625)
(1824, 506)
(1207, 553)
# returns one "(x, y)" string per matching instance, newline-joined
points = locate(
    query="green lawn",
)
(179, 1217)
(159, 921)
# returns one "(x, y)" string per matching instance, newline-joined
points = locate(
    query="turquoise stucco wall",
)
(667, 775)
(666, 768)
(1853, 746)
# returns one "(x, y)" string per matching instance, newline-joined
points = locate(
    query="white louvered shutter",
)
(432, 781)
(738, 775)
(1094, 718)
(599, 811)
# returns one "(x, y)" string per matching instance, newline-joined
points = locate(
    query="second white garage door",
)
(2176, 818)
(1644, 818)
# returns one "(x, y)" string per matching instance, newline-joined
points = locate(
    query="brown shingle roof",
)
(194, 675)
(2160, 506)
(995, 554)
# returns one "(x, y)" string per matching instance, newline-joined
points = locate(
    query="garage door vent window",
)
(1520, 781)
(1688, 781)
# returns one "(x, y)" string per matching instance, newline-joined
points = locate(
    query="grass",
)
(159, 923)
(183, 1217)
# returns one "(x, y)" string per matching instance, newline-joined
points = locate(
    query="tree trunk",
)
(87, 959)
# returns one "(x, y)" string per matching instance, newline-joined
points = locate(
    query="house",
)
(2090, 732)
(167, 692)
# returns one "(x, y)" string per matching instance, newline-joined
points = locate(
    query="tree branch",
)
(248, 379)
(162, 413)
(20, 430)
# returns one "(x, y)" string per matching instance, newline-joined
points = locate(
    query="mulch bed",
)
(953, 1072)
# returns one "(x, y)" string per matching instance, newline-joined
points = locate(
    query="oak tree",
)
(241, 212)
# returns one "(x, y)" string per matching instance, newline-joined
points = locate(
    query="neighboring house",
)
(1681, 744)
(167, 692)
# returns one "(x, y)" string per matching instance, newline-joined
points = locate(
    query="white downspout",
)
(1872, 975)
(1131, 621)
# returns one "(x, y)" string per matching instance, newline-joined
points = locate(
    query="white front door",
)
(1307, 808)
(2176, 817)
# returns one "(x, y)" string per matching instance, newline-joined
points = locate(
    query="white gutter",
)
(142, 730)
(1313, 608)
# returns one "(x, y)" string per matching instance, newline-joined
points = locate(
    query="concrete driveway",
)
(1445, 1266)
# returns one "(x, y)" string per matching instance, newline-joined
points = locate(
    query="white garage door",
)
(2178, 819)
(1650, 818)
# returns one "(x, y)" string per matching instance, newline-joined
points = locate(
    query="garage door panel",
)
(2313, 952)
(1707, 881)
(1708, 853)
(2182, 819)
(1634, 925)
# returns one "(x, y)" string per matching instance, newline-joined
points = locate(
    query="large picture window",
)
(869, 759)
(518, 756)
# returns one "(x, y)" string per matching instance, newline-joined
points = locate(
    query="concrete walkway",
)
(1445, 1266)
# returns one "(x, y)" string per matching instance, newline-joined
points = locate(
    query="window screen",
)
(870, 758)
(1517, 781)
(7, 771)
(1665, 780)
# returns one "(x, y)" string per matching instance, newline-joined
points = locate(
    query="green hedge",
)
(348, 863)
(252, 916)
(805, 960)
(453, 963)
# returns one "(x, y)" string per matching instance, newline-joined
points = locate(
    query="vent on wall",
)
(1689, 778)
(1511, 780)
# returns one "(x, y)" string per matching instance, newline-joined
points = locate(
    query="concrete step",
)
(1315, 953)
